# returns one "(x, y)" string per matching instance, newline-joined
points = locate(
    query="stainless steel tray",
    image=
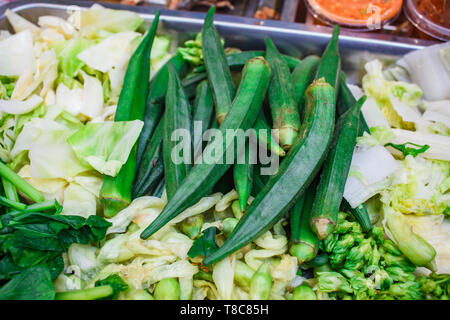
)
(245, 33)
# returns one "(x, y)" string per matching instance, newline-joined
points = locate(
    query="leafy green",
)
(36, 238)
(116, 282)
(31, 284)
(409, 150)
(205, 244)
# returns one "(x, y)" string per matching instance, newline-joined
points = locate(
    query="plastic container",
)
(361, 15)
(430, 16)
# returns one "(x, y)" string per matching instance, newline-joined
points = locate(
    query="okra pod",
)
(302, 76)
(151, 169)
(331, 184)
(219, 74)
(243, 177)
(283, 106)
(115, 193)
(264, 135)
(203, 113)
(296, 172)
(204, 176)
(305, 242)
(177, 116)
(330, 62)
(154, 108)
(237, 60)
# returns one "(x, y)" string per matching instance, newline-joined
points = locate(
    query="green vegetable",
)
(205, 175)
(176, 117)
(20, 183)
(205, 244)
(409, 150)
(12, 203)
(264, 135)
(303, 292)
(243, 176)
(419, 251)
(9, 189)
(105, 146)
(261, 283)
(219, 74)
(203, 113)
(192, 226)
(243, 274)
(237, 60)
(115, 282)
(295, 173)
(334, 173)
(283, 106)
(360, 213)
(346, 100)
(20, 288)
(115, 193)
(305, 242)
(167, 289)
(154, 104)
(159, 188)
(34, 238)
(330, 62)
(235, 207)
(302, 76)
(151, 168)
(98, 292)
(228, 225)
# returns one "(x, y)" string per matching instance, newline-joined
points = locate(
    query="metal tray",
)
(245, 33)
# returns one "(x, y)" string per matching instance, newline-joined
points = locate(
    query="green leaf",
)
(409, 150)
(116, 282)
(205, 244)
(31, 284)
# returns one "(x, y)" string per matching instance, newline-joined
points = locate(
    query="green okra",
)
(177, 116)
(243, 176)
(204, 176)
(330, 188)
(219, 74)
(283, 106)
(302, 76)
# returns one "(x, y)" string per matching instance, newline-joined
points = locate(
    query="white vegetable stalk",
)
(370, 171)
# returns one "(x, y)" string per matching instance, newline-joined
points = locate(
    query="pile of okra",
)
(307, 100)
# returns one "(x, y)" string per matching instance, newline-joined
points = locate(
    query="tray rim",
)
(244, 23)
